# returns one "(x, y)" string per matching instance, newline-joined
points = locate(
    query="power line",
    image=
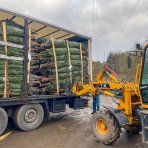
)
(93, 17)
(124, 27)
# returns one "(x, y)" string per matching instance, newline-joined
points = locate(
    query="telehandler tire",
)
(28, 117)
(3, 120)
(105, 127)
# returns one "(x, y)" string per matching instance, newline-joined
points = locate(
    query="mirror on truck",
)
(129, 61)
(138, 46)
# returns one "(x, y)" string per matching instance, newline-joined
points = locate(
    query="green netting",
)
(63, 76)
(61, 51)
(44, 54)
(47, 67)
(60, 43)
(74, 51)
(76, 78)
(62, 64)
(13, 62)
(1, 62)
(15, 72)
(15, 86)
(1, 92)
(1, 79)
(34, 89)
(75, 68)
(2, 49)
(40, 40)
(15, 34)
(14, 79)
(75, 63)
(1, 86)
(76, 72)
(74, 44)
(1, 67)
(15, 39)
(15, 52)
(53, 72)
(62, 57)
(2, 72)
(13, 31)
(15, 67)
(62, 70)
(49, 52)
(52, 85)
(75, 57)
(15, 92)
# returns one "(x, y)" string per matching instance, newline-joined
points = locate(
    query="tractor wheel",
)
(3, 120)
(28, 117)
(105, 127)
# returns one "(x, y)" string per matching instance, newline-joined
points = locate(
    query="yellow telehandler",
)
(132, 101)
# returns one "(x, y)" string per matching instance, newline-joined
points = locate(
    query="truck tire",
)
(105, 127)
(3, 120)
(28, 117)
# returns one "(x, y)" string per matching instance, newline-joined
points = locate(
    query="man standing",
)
(96, 103)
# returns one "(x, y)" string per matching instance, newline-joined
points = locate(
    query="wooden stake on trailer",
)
(5, 61)
(69, 60)
(81, 57)
(29, 55)
(90, 59)
(56, 66)
(24, 93)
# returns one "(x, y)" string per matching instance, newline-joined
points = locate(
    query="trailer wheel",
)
(105, 127)
(28, 117)
(3, 120)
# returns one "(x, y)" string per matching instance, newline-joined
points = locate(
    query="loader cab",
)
(144, 77)
(142, 71)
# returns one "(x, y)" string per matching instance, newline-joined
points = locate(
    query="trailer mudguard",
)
(120, 117)
(46, 110)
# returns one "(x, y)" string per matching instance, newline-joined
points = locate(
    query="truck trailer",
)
(24, 41)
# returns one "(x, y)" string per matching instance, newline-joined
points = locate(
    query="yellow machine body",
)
(130, 97)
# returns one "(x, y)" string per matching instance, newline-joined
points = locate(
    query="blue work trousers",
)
(96, 103)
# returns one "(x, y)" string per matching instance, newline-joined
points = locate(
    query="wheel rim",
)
(30, 116)
(101, 127)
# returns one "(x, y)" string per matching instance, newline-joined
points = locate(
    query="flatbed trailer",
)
(50, 103)
(30, 108)
(29, 111)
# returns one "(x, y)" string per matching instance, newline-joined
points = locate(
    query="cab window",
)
(144, 80)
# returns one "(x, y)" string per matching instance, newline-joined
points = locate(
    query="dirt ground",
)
(70, 129)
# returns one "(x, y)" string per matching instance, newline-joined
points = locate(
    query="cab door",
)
(144, 77)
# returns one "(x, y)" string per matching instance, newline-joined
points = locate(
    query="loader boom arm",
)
(99, 85)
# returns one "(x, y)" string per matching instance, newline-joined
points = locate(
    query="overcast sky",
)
(114, 25)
